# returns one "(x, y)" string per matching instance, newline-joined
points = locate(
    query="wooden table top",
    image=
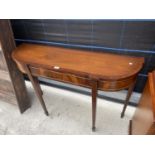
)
(98, 65)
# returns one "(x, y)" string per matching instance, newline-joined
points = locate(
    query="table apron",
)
(105, 85)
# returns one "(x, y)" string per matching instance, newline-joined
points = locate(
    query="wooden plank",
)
(7, 46)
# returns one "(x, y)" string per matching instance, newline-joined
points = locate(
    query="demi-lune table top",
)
(99, 65)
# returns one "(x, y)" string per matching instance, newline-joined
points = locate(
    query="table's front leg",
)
(94, 102)
(37, 88)
(130, 90)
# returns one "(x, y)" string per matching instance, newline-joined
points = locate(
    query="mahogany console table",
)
(94, 70)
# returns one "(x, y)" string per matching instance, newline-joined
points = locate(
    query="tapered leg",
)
(36, 88)
(94, 99)
(130, 90)
(130, 127)
(37, 85)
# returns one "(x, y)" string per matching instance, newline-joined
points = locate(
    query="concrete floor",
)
(70, 113)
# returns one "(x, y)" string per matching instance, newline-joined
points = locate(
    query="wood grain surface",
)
(90, 64)
(12, 84)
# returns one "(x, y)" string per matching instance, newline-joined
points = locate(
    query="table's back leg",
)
(94, 102)
(37, 88)
(38, 84)
(130, 90)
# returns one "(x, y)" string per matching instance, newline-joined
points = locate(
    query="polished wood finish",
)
(94, 98)
(143, 121)
(36, 88)
(63, 77)
(128, 97)
(97, 71)
(88, 64)
(12, 84)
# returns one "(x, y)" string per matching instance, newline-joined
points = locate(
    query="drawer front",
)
(116, 85)
(63, 77)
